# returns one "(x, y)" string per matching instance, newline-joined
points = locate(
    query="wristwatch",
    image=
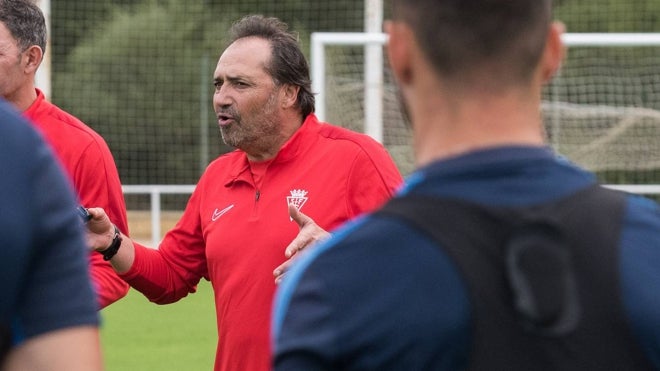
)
(114, 246)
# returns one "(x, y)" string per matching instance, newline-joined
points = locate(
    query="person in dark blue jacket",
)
(498, 254)
(48, 312)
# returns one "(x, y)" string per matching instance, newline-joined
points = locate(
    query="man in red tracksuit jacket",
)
(83, 153)
(290, 179)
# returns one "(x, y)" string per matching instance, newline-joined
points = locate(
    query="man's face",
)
(12, 75)
(246, 97)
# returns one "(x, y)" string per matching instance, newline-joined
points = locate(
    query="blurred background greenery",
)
(140, 73)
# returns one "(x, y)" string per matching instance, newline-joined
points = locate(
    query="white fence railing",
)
(155, 205)
(155, 191)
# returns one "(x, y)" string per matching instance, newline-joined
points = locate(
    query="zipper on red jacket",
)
(255, 209)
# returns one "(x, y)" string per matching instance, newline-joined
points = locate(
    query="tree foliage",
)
(609, 15)
(139, 72)
(139, 82)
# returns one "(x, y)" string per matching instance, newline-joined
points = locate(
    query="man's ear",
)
(399, 50)
(32, 57)
(289, 95)
(554, 52)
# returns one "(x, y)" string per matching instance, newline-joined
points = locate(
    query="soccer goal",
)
(355, 89)
(601, 111)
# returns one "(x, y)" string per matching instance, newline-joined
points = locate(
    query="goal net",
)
(602, 111)
(340, 67)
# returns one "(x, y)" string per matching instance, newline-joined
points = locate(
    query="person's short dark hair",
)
(25, 21)
(460, 37)
(288, 64)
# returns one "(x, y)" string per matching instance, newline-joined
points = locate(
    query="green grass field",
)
(139, 335)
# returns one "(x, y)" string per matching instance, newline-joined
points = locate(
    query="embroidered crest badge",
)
(297, 198)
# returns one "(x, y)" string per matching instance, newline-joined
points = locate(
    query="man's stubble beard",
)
(245, 135)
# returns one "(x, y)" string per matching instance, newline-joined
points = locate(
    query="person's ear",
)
(399, 50)
(32, 57)
(554, 52)
(289, 94)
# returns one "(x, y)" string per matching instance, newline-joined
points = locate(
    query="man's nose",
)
(221, 98)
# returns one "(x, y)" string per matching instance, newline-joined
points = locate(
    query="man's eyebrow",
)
(232, 78)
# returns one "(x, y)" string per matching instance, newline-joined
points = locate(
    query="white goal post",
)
(374, 64)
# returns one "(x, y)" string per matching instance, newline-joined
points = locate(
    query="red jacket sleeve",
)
(172, 271)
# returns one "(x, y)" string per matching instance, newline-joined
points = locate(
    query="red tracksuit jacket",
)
(234, 233)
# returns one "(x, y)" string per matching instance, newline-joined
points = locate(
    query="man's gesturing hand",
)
(309, 234)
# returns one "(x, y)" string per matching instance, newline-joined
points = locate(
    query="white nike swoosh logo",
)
(218, 213)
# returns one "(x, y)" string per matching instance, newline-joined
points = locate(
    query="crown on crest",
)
(298, 193)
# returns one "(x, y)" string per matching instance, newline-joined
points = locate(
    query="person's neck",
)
(23, 97)
(450, 126)
(269, 147)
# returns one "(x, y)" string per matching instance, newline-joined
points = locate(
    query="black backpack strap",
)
(531, 277)
(529, 247)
